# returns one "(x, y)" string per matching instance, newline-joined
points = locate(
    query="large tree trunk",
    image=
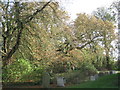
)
(108, 62)
(19, 28)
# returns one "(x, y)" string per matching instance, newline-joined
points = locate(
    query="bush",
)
(15, 71)
(72, 77)
(22, 70)
(59, 67)
(35, 75)
(114, 65)
(88, 68)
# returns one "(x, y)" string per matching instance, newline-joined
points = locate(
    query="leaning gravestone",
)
(46, 80)
(60, 81)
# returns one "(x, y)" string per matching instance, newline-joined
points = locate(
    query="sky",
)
(80, 6)
(83, 6)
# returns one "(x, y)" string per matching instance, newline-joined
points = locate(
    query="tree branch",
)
(29, 18)
(87, 43)
(20, 26)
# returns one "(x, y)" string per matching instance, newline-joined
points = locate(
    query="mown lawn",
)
(108, 81)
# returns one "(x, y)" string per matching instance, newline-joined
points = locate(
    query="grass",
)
(108, 81)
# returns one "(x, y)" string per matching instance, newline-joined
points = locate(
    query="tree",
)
(105, 14)
(91, 31)
(115, 7)
(41, 35)
(13, 22)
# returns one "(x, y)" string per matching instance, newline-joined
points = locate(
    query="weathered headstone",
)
(60, 81)
(92, 78)
(114, 72)
(46, 80)
(96, 76)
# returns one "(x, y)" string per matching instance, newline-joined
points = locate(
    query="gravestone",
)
(92, 78)
(96, 76)
(60, 81)
(46, 80)
(113, 72)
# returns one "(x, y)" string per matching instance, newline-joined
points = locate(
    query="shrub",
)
(88, 68)
(15, 71)
(58, 67)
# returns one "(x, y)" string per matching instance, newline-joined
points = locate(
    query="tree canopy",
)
(38, 36)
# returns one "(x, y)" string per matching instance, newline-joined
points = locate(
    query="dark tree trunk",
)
(108, 63)
(6, 58)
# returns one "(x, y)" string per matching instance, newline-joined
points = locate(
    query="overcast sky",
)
(80, 6)
(84, 6)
